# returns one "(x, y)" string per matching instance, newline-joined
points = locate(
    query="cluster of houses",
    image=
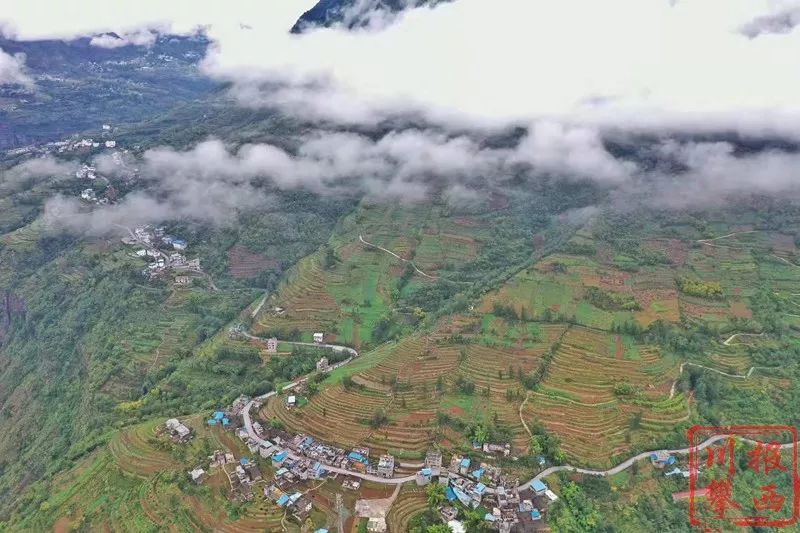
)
(301, 458)
(485, 485)
(164, 253)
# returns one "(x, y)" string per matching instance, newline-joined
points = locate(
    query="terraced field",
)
(411, 501)
(135, 454)
(578, 402)
(347, 292)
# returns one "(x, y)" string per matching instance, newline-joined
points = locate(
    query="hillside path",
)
(417, 270)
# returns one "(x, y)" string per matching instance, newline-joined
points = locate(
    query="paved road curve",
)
(627, 464)
(248, 422)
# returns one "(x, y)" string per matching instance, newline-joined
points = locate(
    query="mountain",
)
(354, 13)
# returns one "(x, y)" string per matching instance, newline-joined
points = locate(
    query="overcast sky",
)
(701, 64)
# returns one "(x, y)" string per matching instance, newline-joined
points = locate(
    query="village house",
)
(386, 465)
(302, 508)
(433, 459)
(111, 144)
(291, 401)
(424, 476)
(322, 365)
(198, 475)
(220, 458)
(178, 431)
(219, 419)
(662, 458)
(279, 458)
(504, 449)
(376, 524)
(183, 281)
(319, 338)
(272, 345)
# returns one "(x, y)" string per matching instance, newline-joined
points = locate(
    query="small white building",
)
(319, 338)
(198, 475)
(322, 365)
(376, 524)
(272, 345)
(106, 127)
(111, 144)
(291, 401)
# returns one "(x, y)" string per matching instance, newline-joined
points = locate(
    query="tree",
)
(439, 528)
(436, 495)
(480, 434)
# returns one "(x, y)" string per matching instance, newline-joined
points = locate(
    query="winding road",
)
(248, 424)
(628, 463)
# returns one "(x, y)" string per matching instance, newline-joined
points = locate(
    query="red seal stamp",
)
(743, 476)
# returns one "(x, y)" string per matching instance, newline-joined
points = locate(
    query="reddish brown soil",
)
(620, 349)
(740, 310)
(246, 264)
(418, 417)
(62, 525)
(456, 411)
(375, 492)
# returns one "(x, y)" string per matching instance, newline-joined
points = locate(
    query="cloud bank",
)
(699, 65)
(213, 183)
(12, 70)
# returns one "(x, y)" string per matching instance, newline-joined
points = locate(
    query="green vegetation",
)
(701, 289)
(611, 301)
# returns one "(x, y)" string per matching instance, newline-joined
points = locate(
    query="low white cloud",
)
(12, 70)
(699, 65)
(37, 169)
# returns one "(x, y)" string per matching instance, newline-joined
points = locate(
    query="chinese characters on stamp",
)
(743, 476)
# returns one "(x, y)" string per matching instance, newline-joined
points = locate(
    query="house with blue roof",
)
(477, 474)
(219, 415)
(480, 488)
(464, 466)
(489, 517)
(212, 422)
(450, 493)
(226, 422)
(662, 458)
(536, 515)
(244, 461)
(542, 460)
(355, 456)
(538, 486)
(320, 530)
(424, 476)
(283, 500)
(279, 458)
